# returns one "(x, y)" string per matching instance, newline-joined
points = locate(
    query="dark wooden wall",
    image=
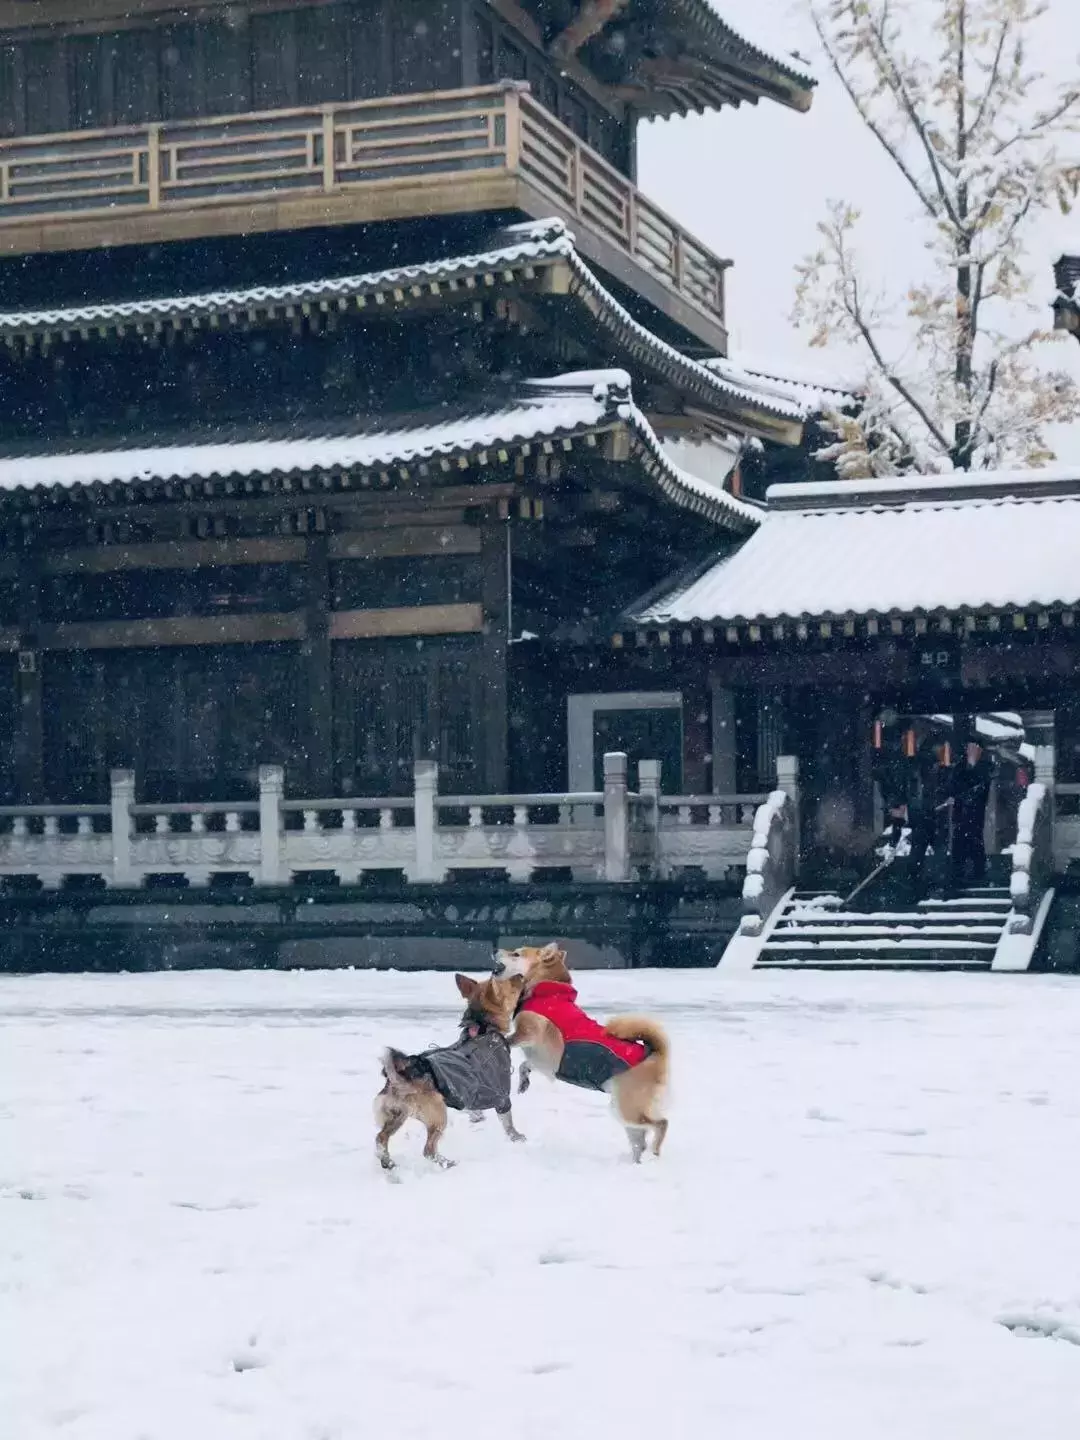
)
(196, 722)
(233, 61)
(271, 376)
(218, 65)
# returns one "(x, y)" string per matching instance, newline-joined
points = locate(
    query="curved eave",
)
(306, 482)
(747, 633)
(737, 63)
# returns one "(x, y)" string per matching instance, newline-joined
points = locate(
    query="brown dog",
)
(627, 1058)
(473, 1074)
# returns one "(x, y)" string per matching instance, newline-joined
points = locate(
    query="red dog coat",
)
(591, 1057)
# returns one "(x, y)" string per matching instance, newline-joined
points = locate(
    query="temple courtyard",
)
(866, 1225)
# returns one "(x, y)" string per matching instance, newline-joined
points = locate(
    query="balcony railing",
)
(458, 139)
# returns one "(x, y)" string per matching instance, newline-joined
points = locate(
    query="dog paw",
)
(476, 1117)
(523, 1085)
(517, 1137)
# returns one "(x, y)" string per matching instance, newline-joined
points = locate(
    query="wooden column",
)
(496, 595)
(28, 738)
(318, 672)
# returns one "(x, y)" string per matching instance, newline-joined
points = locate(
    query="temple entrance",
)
(937, 749)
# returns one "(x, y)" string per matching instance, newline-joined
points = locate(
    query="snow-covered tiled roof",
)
(1004, 550)
(521, 245)
(787, 385)
(750, 405)
(587, 402)
(764, 44)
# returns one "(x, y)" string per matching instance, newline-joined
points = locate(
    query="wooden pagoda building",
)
(350, 389)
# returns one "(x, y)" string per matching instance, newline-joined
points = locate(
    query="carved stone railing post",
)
(1033, 849)
(649, 790)
(787, 780)
(773, 862)
(425, 789)
(1045, 773)
(271, 828)
(122, 797)
(616, 818)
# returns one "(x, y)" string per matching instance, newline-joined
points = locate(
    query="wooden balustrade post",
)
(329, 166)
(616, 818)
(271, 829)
(121, 799)
(425, 789)
(512, 113)
(153, 167)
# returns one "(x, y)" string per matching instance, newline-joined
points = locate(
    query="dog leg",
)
(660, 1129)
(524, 1076)
(435, 1132)
(636, 1135)
(506, 1120)
(393, 1119)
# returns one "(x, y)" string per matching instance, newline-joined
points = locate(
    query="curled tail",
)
(640, 1027)
(395, 1066)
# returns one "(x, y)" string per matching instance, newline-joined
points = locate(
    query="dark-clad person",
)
(971, 789)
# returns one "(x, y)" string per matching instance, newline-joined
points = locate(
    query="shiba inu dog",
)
(473, 1074)
(627, 1058)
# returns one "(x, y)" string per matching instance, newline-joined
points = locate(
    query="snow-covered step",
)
(962, 933)
(927, 960)
(816, 933)
(883, 943)
(952, 918)
(970, 902)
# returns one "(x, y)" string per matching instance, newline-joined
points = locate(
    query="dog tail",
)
(640, 1027)
(395, 1066)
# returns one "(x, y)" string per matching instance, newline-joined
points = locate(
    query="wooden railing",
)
(423, 140)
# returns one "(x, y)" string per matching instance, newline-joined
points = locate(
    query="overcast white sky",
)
(770, 172)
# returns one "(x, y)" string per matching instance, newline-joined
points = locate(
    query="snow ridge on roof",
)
(763, 44)
(559, 407)
(904, 489)
(811, 395)
(1012, 551)
(542, 240)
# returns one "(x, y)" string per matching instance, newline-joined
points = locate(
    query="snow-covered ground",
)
(867, 1223)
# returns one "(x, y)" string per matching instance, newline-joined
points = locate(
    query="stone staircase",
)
(815, 931)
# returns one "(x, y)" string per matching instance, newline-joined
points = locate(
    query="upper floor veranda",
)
(135, 124)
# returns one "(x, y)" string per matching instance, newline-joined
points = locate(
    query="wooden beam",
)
(265, 629)
(497, 609)
(175, 555)
(523, 22)
(460, 619)
(27, 741)
(590, 20)
(318, 670)
(406, 540)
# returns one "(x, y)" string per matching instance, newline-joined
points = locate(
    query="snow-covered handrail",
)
(1030, 857)
(770, 865)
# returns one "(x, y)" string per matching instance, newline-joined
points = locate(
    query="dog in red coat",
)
(627, 1058)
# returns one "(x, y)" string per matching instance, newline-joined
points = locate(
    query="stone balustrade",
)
(614, 835)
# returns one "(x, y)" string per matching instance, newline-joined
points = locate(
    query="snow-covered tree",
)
(984, 142)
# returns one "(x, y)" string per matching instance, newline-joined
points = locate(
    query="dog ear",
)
(551, 951)
(467, 987)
